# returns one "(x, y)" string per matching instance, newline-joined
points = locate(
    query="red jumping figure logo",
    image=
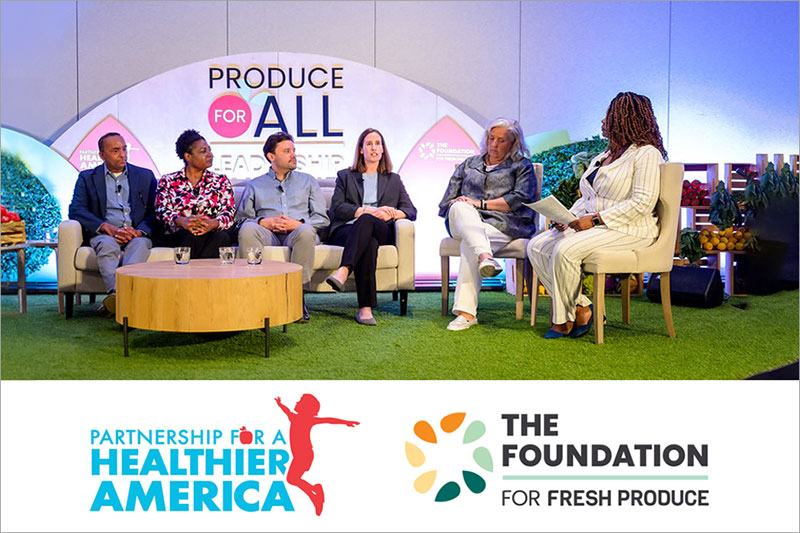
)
(300, 423)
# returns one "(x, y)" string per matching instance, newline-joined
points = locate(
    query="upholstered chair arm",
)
(70, 238)
(404, 241)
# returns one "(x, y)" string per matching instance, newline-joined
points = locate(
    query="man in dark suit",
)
(114, 204)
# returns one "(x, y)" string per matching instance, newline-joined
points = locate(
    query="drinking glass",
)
(254, 255)
(226, 254)
(182, 254)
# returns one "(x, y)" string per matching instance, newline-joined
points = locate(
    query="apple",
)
(245, 437)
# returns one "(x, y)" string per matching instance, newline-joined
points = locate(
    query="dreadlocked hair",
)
(630, 120)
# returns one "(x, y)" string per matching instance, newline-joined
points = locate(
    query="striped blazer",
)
(625, 192)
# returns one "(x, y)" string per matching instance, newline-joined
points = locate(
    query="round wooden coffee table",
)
(207, 296)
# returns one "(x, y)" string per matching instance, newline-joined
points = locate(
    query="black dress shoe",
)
(305, 317)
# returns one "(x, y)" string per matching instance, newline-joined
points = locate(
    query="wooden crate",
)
(728, 271)
(733, 180)
(12, 232)
(777, 160)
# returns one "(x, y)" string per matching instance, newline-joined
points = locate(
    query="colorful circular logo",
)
(451, 488)
(229, 116)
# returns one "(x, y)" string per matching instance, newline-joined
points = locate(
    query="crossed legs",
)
(557, 256)
(361, 241)
(478, 241)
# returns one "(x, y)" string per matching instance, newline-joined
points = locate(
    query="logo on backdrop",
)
(229, 115)
(86, 155)
(250, 110)
(426, 150)
(450, 489)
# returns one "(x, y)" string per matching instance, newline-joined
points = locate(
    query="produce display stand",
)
(726, 263)
(735, 181)
(22, 284)
(696, 217)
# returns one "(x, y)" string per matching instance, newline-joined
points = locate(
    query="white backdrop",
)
(157, 110)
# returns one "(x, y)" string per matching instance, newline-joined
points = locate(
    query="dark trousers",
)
(203, 246)
(361, 240)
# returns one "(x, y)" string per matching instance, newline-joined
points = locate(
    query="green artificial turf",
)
(720, 343)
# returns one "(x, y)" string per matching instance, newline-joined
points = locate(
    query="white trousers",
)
(476, 238)
(556, 257)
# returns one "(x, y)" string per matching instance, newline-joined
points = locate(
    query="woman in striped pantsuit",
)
(616, 211)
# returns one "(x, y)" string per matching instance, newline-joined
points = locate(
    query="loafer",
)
(553, 334)
(335, 284)
(580, 331)
(461, 323)
(366, 321)
(489, 268)
(110, 303)
(305, 318)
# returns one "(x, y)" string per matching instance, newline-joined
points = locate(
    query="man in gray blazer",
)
(114, 204)
(283, 207)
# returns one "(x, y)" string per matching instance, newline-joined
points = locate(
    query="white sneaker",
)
(489, 268)
(461, 323)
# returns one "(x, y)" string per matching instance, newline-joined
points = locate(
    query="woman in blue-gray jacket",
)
(483, 209)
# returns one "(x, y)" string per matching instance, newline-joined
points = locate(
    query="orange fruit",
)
(703, 240)
(739, 246)
(708, 246)
(715, 240)
(722, 246)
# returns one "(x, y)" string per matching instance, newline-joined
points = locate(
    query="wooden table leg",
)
(60, 294)
(445, 285)
(125, 334)
(266, 337)
(22, 286)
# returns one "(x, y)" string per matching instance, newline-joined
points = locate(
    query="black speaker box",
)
(690, 286)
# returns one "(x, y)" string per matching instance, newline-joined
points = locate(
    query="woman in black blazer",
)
(368, 198)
